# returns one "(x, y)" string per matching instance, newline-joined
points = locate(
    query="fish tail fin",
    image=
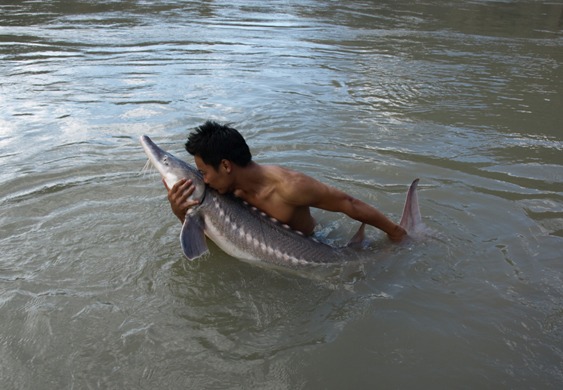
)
(411, 220)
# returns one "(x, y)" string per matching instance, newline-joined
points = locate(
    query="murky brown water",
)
(366, 96)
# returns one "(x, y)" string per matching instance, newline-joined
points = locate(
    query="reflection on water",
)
(365, 96)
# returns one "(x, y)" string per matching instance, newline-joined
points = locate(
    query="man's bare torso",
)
(273, 196)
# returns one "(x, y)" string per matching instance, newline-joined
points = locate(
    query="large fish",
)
(245, 232)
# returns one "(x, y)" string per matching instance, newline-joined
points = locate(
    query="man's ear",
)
(226, 165)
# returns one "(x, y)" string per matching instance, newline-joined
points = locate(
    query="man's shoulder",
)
(295, 187)
(286, 176)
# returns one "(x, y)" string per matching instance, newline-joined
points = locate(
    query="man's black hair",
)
(214, 142)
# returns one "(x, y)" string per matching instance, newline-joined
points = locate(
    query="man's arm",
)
(306, 191)
(363, 212)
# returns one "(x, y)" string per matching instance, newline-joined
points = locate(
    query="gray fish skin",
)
(243, 231)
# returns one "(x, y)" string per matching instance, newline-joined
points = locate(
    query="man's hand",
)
(397, 234)
(178, 196)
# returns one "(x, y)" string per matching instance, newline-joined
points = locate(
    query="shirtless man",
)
(224, 159)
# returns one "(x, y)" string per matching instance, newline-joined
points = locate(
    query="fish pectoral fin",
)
(192, 238)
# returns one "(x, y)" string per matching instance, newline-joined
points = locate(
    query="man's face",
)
(218, 179)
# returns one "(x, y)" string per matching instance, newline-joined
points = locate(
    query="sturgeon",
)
(247, 233)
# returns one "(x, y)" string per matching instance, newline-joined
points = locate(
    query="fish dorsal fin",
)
(192, 237)
(358, 238)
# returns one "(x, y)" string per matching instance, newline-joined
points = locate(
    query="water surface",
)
(365, 96)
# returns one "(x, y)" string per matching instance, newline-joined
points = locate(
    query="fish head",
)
(173, 169)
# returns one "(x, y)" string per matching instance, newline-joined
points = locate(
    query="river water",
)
(363, 95)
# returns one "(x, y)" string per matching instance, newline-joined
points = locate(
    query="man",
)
(224, 159)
